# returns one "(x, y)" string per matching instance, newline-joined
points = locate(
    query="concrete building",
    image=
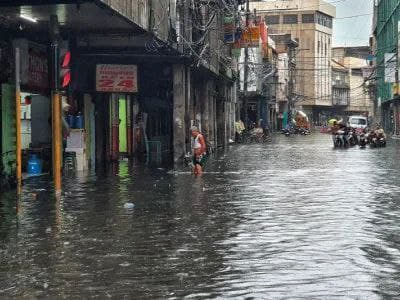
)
(340, 88)
(310, 23)
(385, 42)
(257, 77)
(355, 62)
(286, 76)
(142, 72)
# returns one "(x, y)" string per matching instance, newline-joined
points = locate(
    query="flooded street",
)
(286, 220)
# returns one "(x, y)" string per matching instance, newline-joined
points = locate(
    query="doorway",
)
(123, 133)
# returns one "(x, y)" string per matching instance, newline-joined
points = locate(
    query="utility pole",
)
(291, 84)
(246, 68)
(18, 118)
(292, 64)
(56, 103)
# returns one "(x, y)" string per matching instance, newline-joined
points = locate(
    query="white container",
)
(76, 139)
(81, 162)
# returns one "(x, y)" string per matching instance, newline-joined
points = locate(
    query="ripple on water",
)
(291, 219)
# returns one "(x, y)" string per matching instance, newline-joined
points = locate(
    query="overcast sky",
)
(352, 31)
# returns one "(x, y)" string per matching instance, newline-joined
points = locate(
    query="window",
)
(270, 20)
(290, 19)
(309, 18)
(319, 47)
(356, 72)
(324, 20)
(326, 50)
(358, 121)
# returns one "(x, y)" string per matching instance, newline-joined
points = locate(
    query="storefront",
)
(7, 116)
(36, 123)
(132, 112)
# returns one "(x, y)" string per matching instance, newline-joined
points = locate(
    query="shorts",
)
(200, 161)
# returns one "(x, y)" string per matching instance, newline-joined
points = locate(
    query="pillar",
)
(211, 123)
(204, 100)
(189, 108)
(179, 128)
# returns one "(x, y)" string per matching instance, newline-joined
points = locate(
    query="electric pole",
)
(292, 64)
(56, 103)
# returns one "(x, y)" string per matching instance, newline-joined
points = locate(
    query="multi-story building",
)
(354, 61)
(310, 23)
(286, 64)
(386, 31)
(340, 88)
(257, 74)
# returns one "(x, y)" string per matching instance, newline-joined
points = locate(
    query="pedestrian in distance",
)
(199, 150)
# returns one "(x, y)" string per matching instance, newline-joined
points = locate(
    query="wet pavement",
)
(293, 219)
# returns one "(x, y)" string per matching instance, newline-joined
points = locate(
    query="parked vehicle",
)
(378, 141)
(358, 122)
(339, 140)
(363, 140)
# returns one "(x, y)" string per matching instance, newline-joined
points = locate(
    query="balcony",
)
(340, 95)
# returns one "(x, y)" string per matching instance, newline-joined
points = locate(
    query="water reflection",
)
(290, 219)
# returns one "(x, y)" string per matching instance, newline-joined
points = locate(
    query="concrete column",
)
(198, 108)
(215, 118)
(211, 124)
(189, 108)
(204, 104)
(179, 127)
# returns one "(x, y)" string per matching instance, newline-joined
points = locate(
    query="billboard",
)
(116, 78)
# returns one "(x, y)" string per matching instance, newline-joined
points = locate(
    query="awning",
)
(73, 15)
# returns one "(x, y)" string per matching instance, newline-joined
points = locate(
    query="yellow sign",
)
(251, 36)
(396, 89)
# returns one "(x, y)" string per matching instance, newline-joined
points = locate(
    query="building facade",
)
(385, 41)
(310, 23)
(355, 62)
(142, 72)
(340, 88)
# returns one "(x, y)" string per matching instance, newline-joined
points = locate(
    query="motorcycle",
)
(286, 132)
(378, 142)
(339, 140)
(353, 138)
(363, 140)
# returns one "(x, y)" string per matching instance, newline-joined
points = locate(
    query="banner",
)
(116, 78)
(390, 67)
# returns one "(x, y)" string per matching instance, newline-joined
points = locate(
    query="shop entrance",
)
(120, 116)
(123, 134)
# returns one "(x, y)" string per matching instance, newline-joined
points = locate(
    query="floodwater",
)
(293, 219)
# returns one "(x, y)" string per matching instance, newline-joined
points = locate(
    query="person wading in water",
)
(199, 150)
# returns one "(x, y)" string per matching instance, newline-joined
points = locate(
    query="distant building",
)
(340, 87)
(309, 22)
(355, 63)
(258, 83)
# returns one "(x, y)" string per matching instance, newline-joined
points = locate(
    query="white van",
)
(358, 122)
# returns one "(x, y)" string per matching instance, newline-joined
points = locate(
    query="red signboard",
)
(38, 74)
(116, 78)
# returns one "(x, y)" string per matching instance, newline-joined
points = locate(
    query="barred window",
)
(270, 20)
(308, 18)
(290, 19)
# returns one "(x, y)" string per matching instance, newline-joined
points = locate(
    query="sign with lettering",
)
(116, 78)
(34, 67)
(38, 74)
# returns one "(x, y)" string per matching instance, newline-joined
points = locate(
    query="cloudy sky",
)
(354, 31)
